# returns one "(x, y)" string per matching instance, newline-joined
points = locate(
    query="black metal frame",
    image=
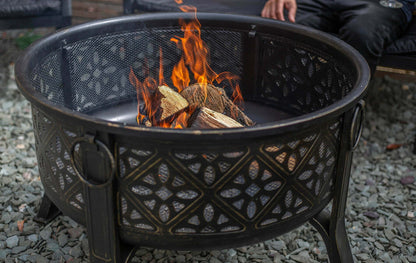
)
(99, 185)
(58, 21)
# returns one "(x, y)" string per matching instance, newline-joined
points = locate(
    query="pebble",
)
(407, 180)
(278, 245)
(179, 258)
(45, 233)
(371, 214)
(17, 250)
(62, 240)
(33, 238)
(75, 232)
(12, 241)
(231, 253)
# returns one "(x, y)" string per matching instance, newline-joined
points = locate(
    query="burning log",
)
(201, 96)
(170, 103)
(234, 112)
(205, 118)
(214, 99)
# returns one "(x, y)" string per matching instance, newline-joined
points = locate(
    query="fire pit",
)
(187, 189)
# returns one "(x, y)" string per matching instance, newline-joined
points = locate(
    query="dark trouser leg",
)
(369, 27)
(364, 24)
(317, 14)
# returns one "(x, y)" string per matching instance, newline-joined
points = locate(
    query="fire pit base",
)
(195, 189)
(330, 227)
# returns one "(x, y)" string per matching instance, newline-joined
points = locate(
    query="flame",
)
(193, 66)
(180, 76)
(181, 121)
(195, 53)
(188, 9)
(161, 78)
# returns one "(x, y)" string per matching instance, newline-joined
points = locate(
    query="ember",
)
(201, 105)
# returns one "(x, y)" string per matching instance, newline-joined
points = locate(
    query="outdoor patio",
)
(381, 207)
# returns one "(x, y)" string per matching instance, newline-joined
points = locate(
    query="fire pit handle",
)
(99, 198)
(92, 140)
(357, 124)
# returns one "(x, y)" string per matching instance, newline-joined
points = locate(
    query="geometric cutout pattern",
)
(130, 158)
(319, 167)
(289, 204)
(304, 81)
(208, 218)
(131, 217)
(251, 189)
(210, 167)
(290, 155)
(53, 144)
(163, 192)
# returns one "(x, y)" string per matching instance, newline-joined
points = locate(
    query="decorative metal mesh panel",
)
(97, 72)
(53, 143)
(203, 192)
(47, 78)
(299, 78)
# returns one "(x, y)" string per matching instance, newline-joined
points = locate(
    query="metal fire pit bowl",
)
(195, 189)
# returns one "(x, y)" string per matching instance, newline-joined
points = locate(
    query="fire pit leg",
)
(331, 226)
(334, 236)
(47, 211)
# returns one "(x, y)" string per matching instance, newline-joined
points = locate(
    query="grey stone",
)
(45, 234)
(33, 237)
(180, 258)
(75, 232)
(53, 246)
(148, 256)
(41, 259)
(12, 241)
(231, 253)
(6, 218)
(4, 253)
(215, 260)
(17, 250)
(62, 240)
(75, 251)
(278, 245)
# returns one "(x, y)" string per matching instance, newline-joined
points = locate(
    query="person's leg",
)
(317, 14)
(369, 27)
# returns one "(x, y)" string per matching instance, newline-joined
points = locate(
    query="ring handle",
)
(357, 124)
(92, 140)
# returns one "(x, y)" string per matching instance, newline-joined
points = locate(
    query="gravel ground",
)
(381, 209)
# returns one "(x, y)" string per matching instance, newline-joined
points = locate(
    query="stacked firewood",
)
(197, 106)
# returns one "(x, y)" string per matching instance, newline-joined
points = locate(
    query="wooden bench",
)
(15, 14)
(401, 54)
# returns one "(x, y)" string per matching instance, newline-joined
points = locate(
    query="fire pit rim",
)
(124, 23)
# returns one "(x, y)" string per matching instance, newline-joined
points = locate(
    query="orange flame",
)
(195, 61)
(161, 78)
(180, 76)
(195, 53)
(181, 121)
(188, 9)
